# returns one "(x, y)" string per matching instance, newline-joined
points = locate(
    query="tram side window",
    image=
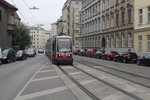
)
(54, 47)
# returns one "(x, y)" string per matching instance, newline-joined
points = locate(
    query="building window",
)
(140, 43)
(129, 16)
(148, 14)
(0, 15)
(123, 17)
(77, 2)
(148, 40)
(117, 20)
(140, 16)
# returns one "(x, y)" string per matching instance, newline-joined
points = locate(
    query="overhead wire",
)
(20, 12)
(30, 11)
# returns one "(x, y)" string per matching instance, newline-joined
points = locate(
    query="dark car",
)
(40, 50)
(110, 55)
(0, 56)
(30, 52)
(144, 60)
(9, 55)
(82, 52)
(126, 57)
(98, 54)
(20, 55)
(76, 52)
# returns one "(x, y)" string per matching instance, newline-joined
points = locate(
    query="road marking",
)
(28, 82)
(69, 67)
(46, 71)
(46, 78)
(87, 82)
(75, 73)
(42, 93)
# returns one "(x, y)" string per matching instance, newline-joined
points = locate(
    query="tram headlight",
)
(58, 55)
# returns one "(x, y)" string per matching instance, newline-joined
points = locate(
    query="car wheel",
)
(14, 60)
(8, 61)
(0, 62)
(115, 60)
(124, 61)
(138, 62)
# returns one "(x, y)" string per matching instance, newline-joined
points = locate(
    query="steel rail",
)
(109, 84)
(79, 85)
(100, 69)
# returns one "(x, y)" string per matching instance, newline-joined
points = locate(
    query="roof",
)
(8, 4)
(16, 16)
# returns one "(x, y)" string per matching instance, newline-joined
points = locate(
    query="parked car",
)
(109, 55)
(40, 50)
(9, 55)
(20, 55)
(0, 56)
(126, 57)
(144, 60)
(90, 52)
(31, 52)
(76, 52)
(98, 54)
(82, 52)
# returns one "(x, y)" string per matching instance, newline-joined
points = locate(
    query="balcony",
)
(11, 22)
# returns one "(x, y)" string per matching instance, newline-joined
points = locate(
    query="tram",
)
(59, 50)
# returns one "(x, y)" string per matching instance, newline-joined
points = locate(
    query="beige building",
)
(7, 23)
(142, 26)
(107, 24)
(39, 37)
(71, 19)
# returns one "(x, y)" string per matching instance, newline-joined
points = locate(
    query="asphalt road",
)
(15, 75)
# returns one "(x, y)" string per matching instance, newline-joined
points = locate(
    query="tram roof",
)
(63, 36)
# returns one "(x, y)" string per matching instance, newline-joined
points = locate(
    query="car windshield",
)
(5, 52)
(114, 52)
(132, 54)
(19, 52)
(147, 56)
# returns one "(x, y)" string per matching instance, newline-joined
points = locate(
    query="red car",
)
(109, 55)
(90, 52)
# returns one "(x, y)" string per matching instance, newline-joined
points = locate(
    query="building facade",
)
(7, 23)
(71, 20)
(39, 37)
(53, 29)
(107, 24)
(142, 26)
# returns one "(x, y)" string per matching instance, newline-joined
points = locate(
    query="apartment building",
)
(142, 26)
(39, 37)
(7, 23)
(107, 24)
(71, 19)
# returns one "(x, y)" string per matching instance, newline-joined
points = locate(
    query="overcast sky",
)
(49, 11)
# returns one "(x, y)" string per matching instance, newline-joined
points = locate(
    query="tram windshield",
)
(64, 45)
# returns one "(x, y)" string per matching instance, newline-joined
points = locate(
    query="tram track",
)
(93, 97)
(98, 79)
(122, 74)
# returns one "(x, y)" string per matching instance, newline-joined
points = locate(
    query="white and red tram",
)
(60, 50)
